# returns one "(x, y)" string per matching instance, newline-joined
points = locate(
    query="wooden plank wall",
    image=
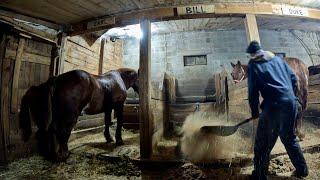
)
(113, 55)
(80, 55)
(238, 100)
(34, 68)
(239, 105)
(313, 110)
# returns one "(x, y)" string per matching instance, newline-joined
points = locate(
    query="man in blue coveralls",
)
(274, 79)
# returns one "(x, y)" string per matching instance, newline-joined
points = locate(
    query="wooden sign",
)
(101, 22)
(294, 11)
(200, 9)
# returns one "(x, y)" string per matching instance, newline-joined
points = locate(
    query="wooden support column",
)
(145, 118)
(16, 76)
(62, 41)
(3, 121)
(100, 70)
(251, 28)
(252, 34)
(54, 58)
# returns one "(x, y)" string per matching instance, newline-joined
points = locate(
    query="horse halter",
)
(242, 77)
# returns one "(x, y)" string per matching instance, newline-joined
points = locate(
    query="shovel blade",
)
(219, 130)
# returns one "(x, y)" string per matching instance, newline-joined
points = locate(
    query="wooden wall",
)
(113, 55)
(313, 110)
(239, 106)
(80, 55)
(25, 63)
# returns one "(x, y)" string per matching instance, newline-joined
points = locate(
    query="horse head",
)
(239, 72)
(131, 78)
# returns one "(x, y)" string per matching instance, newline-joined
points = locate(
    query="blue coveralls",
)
(276, 83)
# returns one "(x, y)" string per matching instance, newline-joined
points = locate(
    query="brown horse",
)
(239, 73)
(56, 105)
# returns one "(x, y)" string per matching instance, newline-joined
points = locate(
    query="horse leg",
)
(53, 145)
(299, 132)
(119, 112)
(43, 142)
(107, 122)
(63, 142)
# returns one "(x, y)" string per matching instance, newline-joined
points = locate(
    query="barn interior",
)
(183, 50)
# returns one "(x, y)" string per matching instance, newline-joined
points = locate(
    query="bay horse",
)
(239, 73)
(56, 105)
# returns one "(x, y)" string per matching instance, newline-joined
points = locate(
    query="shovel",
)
(223, 130)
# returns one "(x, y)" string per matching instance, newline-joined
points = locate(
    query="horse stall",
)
(181, 52)
(25, 62)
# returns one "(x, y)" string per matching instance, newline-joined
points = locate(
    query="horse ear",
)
(233, 65)
(239, 62)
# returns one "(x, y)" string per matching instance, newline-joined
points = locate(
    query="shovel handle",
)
(245, 121)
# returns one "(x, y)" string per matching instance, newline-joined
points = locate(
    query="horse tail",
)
(24, 116)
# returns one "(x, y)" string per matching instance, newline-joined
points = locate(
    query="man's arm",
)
(253, 92)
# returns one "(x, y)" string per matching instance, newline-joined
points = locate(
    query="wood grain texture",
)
(100, 70)
(16, 76)
(251, 28)
(3, 147)
(146, 121)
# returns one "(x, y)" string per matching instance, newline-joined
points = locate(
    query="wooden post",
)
(62, 41)
(100, 70)
(170, 82)
(252, 34)
(3, 130)
(16, 76)
(53, 62)
(145, 118)
(251, 28)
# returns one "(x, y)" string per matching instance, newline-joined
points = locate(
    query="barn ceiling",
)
(72, 11)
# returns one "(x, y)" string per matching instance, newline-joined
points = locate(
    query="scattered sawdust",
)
(84, 164)
(76, 167)
(202, 147)
(280, 168)
(96, 144)
(166, 149)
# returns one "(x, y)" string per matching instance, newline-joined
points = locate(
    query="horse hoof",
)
(301, 136)
(63, 156)
(109, 140)
(119, 143)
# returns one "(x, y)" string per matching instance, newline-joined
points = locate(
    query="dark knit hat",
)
(253, 47)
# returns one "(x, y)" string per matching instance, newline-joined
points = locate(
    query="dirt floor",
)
(92, 158)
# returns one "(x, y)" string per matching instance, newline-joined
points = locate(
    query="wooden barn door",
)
(25, 63)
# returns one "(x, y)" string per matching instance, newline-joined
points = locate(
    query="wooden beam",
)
(137, 3)
(62, 41)
(3, 131)
(47, 23)
(16, 76)
(145, 118)
(251, 28)
(197, 11)
(20, 25)
(53, 59)
(252, 34)
(121, 20)
(100, 70)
